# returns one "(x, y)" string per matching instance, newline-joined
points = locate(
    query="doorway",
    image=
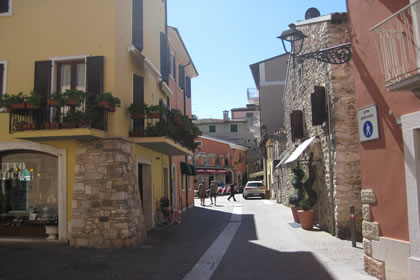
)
(144, 175)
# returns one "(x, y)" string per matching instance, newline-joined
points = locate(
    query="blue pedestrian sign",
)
(368, 123)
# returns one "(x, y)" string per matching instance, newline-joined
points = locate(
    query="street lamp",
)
(334, 55)
(295, 37)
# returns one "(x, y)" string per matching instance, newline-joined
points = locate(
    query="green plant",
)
(34, 99)
(305, 205)
(137, 108)
(52, 221)
(6, 100)
(155, 109)
(74, 95)
(109, 98)
(294, 198)
(58, 98)
(72, 116)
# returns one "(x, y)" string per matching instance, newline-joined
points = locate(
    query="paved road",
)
(250, 239)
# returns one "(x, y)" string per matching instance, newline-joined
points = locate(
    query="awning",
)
(211, 171)
(256, 174)
(283, 159)
(186, 168)
(194, 170)
(299, 150)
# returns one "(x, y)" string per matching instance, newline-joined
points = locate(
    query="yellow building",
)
(102, 173)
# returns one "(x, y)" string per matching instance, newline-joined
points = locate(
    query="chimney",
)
(226, 115)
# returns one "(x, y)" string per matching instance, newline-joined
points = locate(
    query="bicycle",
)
(165, 215)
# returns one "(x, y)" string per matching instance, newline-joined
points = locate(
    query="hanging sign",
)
(368, 123)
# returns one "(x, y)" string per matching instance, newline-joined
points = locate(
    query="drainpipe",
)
(330, 168)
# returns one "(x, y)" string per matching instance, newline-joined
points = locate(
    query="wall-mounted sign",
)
(368, 123)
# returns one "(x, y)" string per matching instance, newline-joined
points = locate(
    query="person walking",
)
(213, 192)
(202, 193)
(232, 192)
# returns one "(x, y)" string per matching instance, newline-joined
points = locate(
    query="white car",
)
(254, 188)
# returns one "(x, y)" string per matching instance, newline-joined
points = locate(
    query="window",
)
(240, 157)
(137, 24)
(212, 128)
(198, 143)
(3, 72)
(233, 128)
(201, 153)
(5, 7)
(71, 76)
(249, 115)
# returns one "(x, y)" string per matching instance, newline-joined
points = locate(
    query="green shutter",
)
(164, 57)
(137, 24)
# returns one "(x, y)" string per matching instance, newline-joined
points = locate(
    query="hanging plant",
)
(107, 101)
(74, 97)
(33, 101)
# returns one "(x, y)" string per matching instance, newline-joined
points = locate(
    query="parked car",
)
(254, 188)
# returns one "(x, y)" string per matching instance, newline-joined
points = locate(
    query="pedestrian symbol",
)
(368, 129)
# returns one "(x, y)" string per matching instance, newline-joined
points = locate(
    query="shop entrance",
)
(28, 193)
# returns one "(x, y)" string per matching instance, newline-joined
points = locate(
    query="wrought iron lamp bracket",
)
(334, 55)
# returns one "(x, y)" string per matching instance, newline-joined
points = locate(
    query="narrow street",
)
(257, 241)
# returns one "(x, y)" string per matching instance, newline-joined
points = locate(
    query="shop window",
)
(28, 193)
(5, 7)
(212, 129)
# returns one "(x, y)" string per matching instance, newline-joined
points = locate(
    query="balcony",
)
(396, 40)
(164, 131)
(48, 120)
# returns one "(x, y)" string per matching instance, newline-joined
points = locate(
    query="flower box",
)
(71, 102)
(105, 105)
(137, 116)
(153, 115)
(18, 105)
(52, 103)
(53, 125)
(29, 126)
(30, 106)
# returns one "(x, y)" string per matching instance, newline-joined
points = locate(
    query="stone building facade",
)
(106, 205)
(335, 147)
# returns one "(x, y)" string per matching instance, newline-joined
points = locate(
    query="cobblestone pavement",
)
(265, 246)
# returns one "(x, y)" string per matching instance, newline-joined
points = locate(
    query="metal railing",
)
(45, 117)
(396, 44)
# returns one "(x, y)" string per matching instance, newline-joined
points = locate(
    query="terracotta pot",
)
(71, 102)
(18, 105)
(30, 106)
(52, 103)
(153, 115)
(295, 214)
(306, 218)
(107, 106)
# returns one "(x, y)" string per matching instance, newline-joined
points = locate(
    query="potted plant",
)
(55, 100)
(154, 111)
(72, 119)
(137, 110)
(33, 101)
(298, 193)
(51, 227)
(13, 101)
(73, 97)
(306, 214)
(108, 102)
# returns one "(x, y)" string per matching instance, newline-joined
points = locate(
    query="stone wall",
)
(106, 207)
(336, 145)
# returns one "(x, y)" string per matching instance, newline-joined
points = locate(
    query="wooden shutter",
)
(296, 124)
(42, 84)
(188, 87)
(164, 57)
(174, 66)
(137, 25)
(1, 79)
(319, 112)
(4, 6)
(138, 97)
(181, 78)
(95, 74)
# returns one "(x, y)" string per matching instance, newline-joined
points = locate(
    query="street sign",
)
(368, 123)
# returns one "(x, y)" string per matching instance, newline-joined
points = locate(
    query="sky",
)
(224, 37)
